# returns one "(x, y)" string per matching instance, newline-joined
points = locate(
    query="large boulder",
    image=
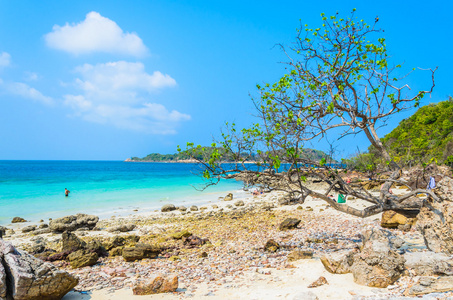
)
(72, 223)
(82, 258)
(140, 251)
(155, 285)
(70, 242)
(436, 223)
(31, 278)
(18, 220)
(378, 264)
(2, 281)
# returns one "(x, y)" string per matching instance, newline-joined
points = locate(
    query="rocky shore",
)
(256, 248)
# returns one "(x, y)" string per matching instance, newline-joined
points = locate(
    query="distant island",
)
(184, 157)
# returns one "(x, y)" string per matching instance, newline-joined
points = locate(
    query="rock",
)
(18, 220)
(320, 281)
(203, 208)
(72, 223)
(96, 247)
(392, 219)
(29, 228)
(289, 223)
(31, 278)
(155, 285)
(428, 285)
(271, 246)
(118, 251)
(2, 231)
(2, 281)
(140, 251)
(299, 254)
(38, 245)
(194, 208)
(239, 203)
(122, 228)
(44, 225)
(203, 254)
(182, 208)
(114, 242)
(194, 241)
(214, 206)
(168, 207)
(429, 263)
(378, 264)
(82, 258)
(70, 242)
(305, 296)
(289, 199)
(228, 197)
(174, 258)
(339, 262)
(179, 235)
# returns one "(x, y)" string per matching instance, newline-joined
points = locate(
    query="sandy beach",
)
(233, 264)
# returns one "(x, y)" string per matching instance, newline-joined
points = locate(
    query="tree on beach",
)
(339, 81)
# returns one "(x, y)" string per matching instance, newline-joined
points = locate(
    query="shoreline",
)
(236, 266)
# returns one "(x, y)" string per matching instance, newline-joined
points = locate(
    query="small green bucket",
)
(341, 198)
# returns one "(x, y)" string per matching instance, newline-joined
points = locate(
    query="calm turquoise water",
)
(34, 190)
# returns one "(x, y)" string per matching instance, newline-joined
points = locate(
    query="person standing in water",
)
(66, 192)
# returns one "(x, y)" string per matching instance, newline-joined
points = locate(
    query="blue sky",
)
(113, 79)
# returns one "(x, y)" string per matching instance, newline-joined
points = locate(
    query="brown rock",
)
(82, 258)
(299, 254)
(289, 223)
(392, 219)
(18, 220)
(70, 242)
(271, 246)
(155, 285)
(72, 223)
(428, 285)
(338, 262)
(140, 251)
(320, 281)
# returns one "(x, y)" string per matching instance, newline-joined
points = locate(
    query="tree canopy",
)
(338, 81)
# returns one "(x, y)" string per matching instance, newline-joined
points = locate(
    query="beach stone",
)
(70, 242)
(118, 251)
(299, 254)
(29, 228)
(73, 222)
(239, 203)
(140, 251)
(271, 246)
(194, 241)
(114, 242)
(228, 197)
(38, 245)
(122, 228)
(436, 225)
(320, 281)
(339, 262)
(82, 258)
(305, 296)
(96, 247)
(2, 231)
(377, 264)
(182, 208)
(30, 278)
(179, 235)
(215, 206)
(392, 219)
(18, 220)
(203, 208)
(168, 208)
(428, 285)
(155, 285)
(289, 223)
(44, 225)
(429, 263)
(194, 208)
(2, 282)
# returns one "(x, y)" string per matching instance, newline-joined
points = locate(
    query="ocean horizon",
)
(34, 189)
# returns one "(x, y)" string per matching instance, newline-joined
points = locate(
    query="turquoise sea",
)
(34, 190)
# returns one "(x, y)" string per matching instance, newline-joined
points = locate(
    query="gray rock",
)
(29, 228)
(194, 208)
(122, 228)
(30, 278)
(140, 251)
(289, 223)
(70, 242)
(339, 262)
(72, 223)
(378, 264)
(429, 263)
(168, 208)
(428, 285)
(41, 231)
(305, 296)
(2, 281)
(2, 231)
(182, 208)
(239, 203)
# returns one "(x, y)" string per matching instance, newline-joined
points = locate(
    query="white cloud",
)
(95, 34)
(5, 59)
(31, 76)
(24, 91)
(116, 93)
